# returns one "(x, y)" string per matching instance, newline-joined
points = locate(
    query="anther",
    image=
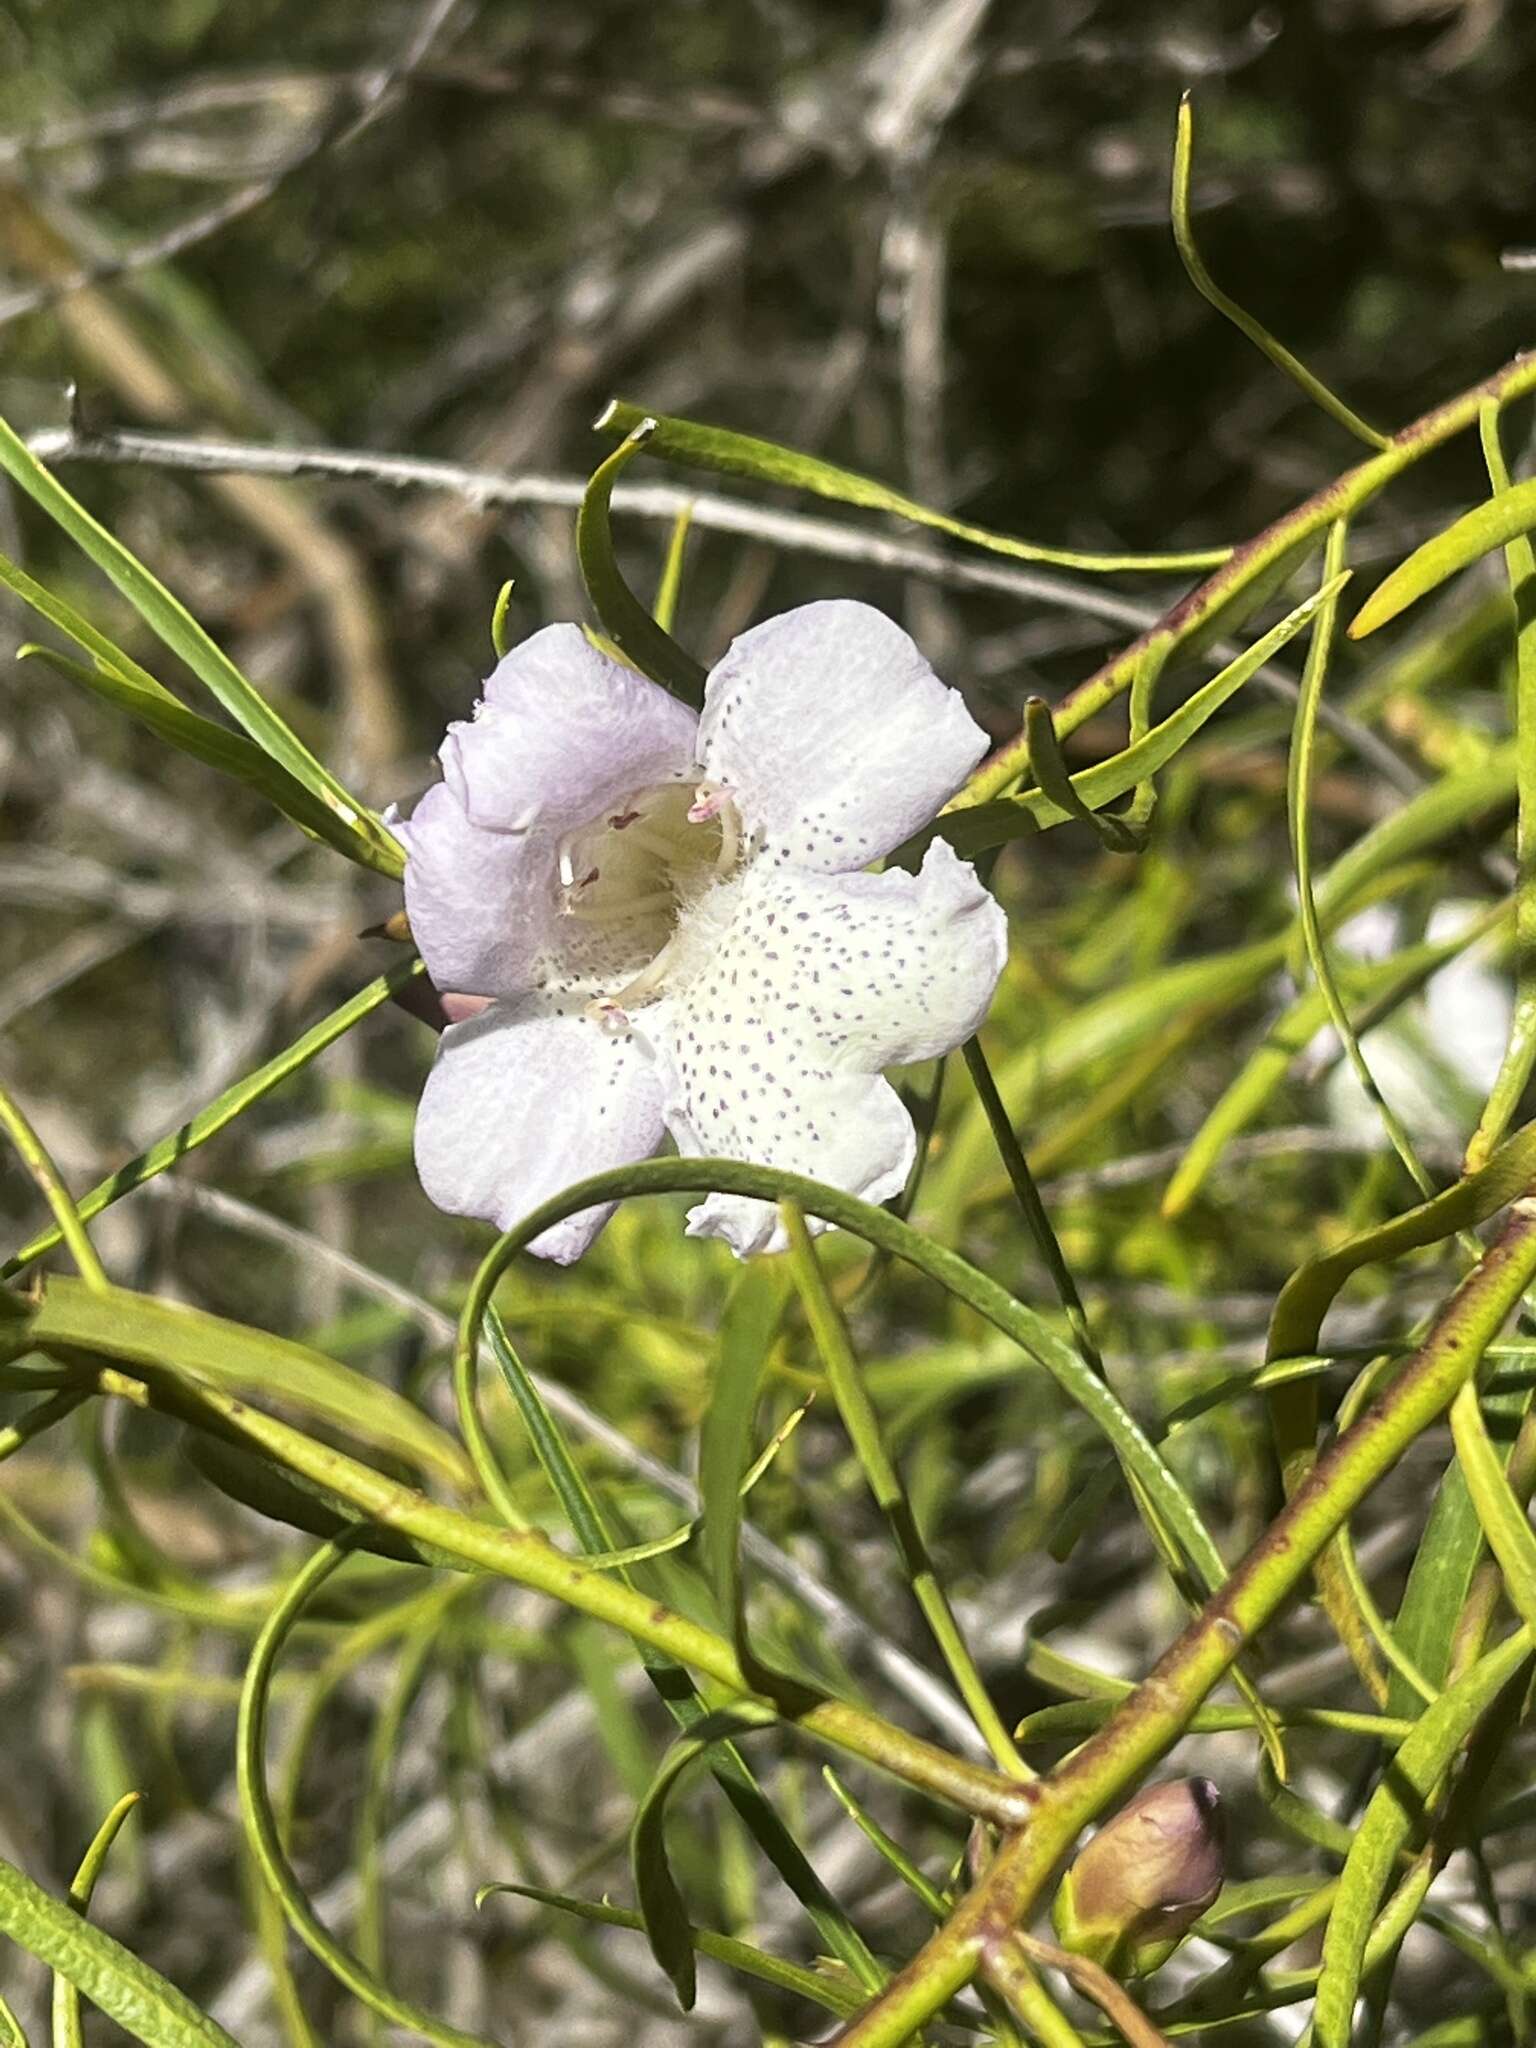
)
(708, 801)
(608, 1017)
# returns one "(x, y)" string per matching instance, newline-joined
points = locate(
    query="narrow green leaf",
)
(223, 1110)
(1520, 1049)
(1257, 333)
(1504, 1520)
(1395, 1813)
(696, 446)
(1299, 814)
(747, 1331)
(667, 1926)
(503, 605)
(625, 620)
(1311, 1290)
(66, 1997)
(175, 626)
(298, 1504)
(1441, 1575)
(991, 824)
(168, 1337)
(884, 1846)
(721, 1948)
(1050, 771)
(670, 588)
(832, 1924)
(228, 752)
(1494, 524)
(11, 2035)
(138, 1998)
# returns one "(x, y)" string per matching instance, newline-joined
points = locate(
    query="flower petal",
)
(835, 736)
(562, 731)
(483, 906)
(809, 986)
(852, 1131)
(522, 1102)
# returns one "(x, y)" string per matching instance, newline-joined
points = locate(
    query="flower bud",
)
(1144, 1880)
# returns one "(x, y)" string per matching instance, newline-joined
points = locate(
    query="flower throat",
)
(642, 863)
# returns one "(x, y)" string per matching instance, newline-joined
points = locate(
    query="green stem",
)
(1148, 1723)
(529, 1559)
(1271, 552)
(34, 1157)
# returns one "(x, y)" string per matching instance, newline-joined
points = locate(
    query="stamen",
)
(649, 981)
(608, 1017)
(730, 839)
(618, 909)
(708, 800)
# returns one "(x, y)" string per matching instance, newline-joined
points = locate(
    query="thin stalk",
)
(34, 1156)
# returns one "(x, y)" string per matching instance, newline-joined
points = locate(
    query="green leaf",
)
(1520, 1047)
(168, 1337)
(721, 1948)
(1440, 1577)
(990, 824)
(138, 1998)
(66, 1996)
(766, 462)
(747, 1331)
(667, 1926)
(206, 742)
(298, 1504)
(832, 1924)
(633, 630)
(1504, 1519)
(223, 1110)
(1257, 333)
(1395, 1813)
(11, 2035)
(1494, 524)
(175, 626)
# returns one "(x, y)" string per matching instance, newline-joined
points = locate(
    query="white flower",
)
(668, 913)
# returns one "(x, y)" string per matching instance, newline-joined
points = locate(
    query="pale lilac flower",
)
(668, 914)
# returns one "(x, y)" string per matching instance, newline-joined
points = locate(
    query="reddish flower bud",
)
(1145, 1878)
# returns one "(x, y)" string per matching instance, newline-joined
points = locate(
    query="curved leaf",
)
(667, 1926)
(66, 1996)
(1494, 524)
(721, 1948)
(697, 446)
(166, 1336)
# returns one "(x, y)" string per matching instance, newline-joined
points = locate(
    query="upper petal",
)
(483, 905)
(522, 1102)
(836, 737)
(562, 731)
(810, 986)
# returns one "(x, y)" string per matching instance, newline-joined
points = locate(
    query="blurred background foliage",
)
(926, 241)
